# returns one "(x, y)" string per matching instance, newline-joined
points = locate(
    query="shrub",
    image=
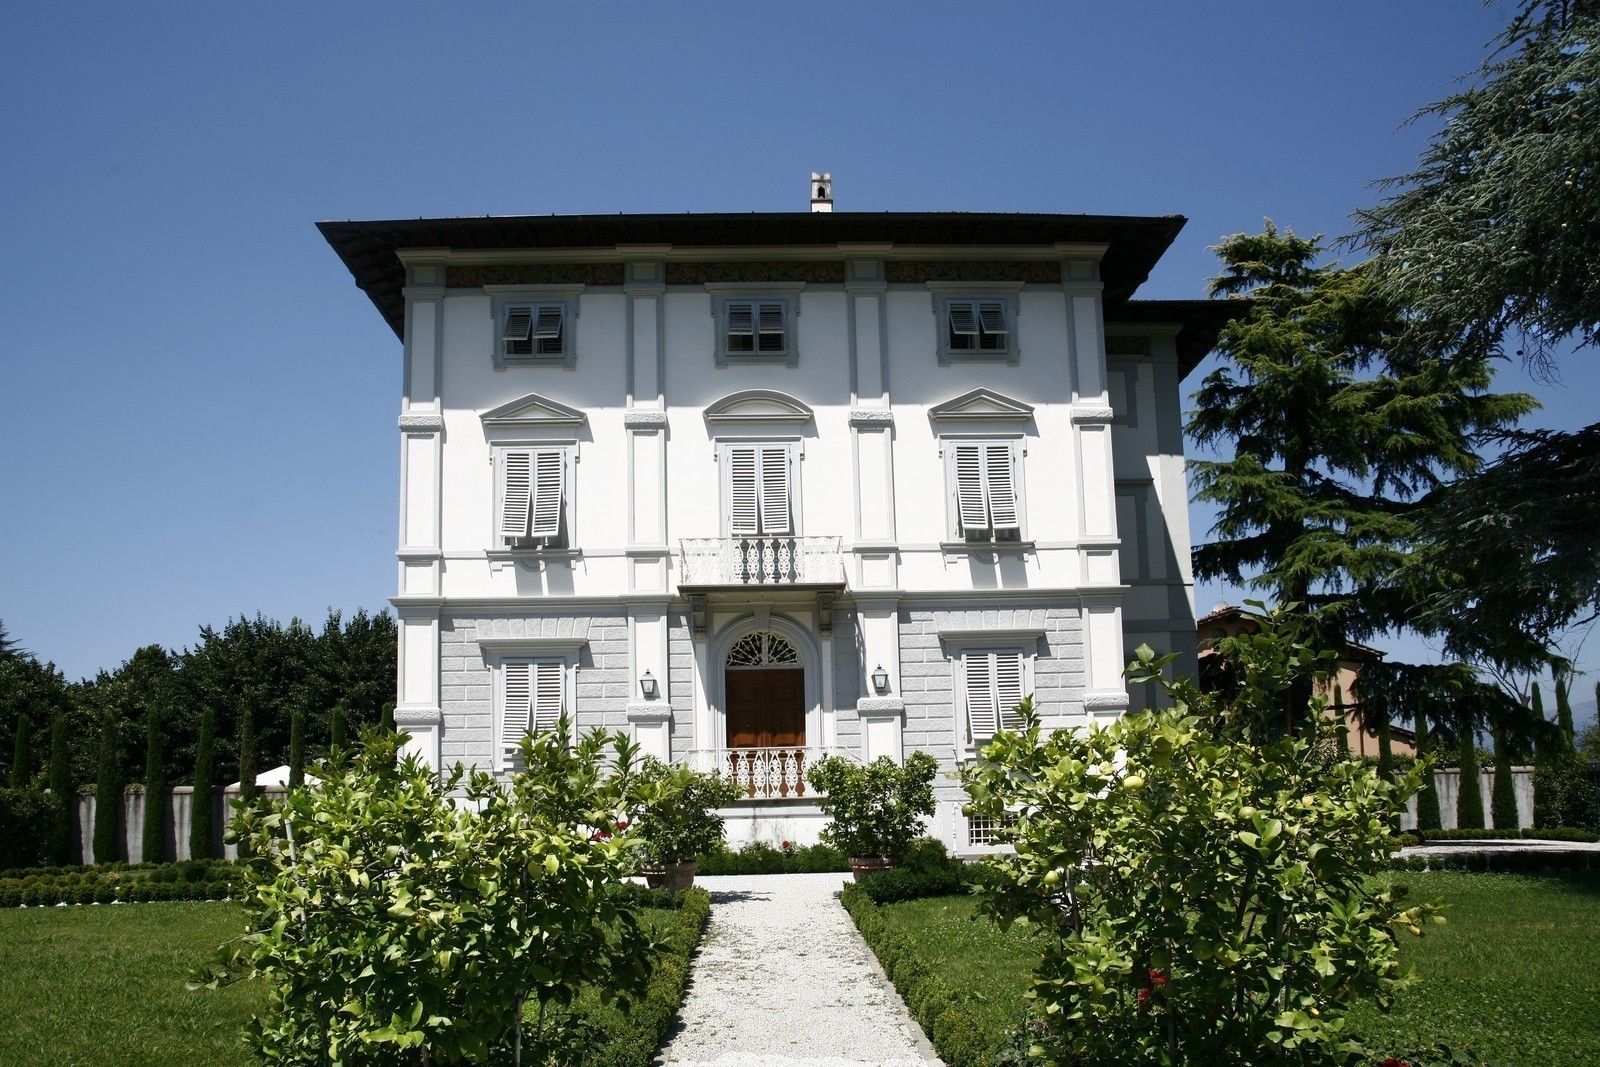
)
(1201, 873)
(928, 871)
(27, 827)
(1469, 793)
(678, 818)
(388, 921)
(874, 810)
(1503, 796)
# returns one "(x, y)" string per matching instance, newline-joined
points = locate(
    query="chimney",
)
(821, 191)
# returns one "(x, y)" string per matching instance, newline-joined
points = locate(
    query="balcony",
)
(772, 562)
(763, 773)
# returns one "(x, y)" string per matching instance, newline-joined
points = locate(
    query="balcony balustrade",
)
(769, 561)
(777, 773)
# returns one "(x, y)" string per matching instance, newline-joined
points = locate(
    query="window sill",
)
(761, 359)
(1008, 358)
(967, 548)
(559, 362)
(529, 558)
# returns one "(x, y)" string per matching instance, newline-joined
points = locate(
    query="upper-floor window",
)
(534, 327)
(977, 326)
(533, 496)
(984, 480)
(758, 489)
(755, 325)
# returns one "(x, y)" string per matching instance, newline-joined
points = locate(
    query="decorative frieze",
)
(422, 423)
(1124, 345)
(823, 273)
(940, 270)
(475, 277)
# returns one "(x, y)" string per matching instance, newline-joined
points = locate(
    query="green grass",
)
(103, 986)
(1513, 975)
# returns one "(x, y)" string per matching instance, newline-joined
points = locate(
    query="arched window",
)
(763, 649)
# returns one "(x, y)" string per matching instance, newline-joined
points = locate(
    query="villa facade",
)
(759, 488)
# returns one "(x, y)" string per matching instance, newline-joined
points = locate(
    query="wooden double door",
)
(766, 707)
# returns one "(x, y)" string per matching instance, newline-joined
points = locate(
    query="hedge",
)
(1507, 862)
(933, 1002)
(1553, 833)
(119, 882)
(632, 1038)
(27, 818)
(764, 859)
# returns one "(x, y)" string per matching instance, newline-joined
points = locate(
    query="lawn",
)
(103, 986)
(1514, 975)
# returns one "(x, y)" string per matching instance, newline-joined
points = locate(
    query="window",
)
(984, 830)
(534, 330)
(986, 504)
(993, 684)
(755, 325)
(533, 697)
(977, 327)
(757, 490)
(534, 327)
(533, 509)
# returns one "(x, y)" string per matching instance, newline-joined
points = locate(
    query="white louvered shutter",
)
(519, 320)
(981, 716)
(969, 487)
(549, 485)
(992, 316)
(775, 491)
(744, 511)
(1008, 687)
(770, 325)
(549, 693)
(741, 327)
(999, 476)
(514, 716)
(516, 492)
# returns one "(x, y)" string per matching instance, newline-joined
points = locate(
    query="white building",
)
(757, 488)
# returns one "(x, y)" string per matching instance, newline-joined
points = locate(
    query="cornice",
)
(1105, 702)
(1021, 636)
(649, 711)
(513, 645)
(880, 705)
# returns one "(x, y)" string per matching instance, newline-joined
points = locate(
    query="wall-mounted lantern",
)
(647, 685)
(880, 679)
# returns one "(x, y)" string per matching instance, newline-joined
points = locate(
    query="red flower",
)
(622, 825)
(1394, 1062)
(1159, 978)
(600, 835)
(1144, 998)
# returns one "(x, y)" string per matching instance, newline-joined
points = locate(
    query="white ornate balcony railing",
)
(763, 773)
(761, 561)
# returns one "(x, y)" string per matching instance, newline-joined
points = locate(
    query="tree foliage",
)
(1202, 881)
(201, 843)
(874, 810)
(391, 924)
(1336, 427)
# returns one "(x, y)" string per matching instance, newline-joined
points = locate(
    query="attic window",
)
(534, 330)
(756, 327)
(977, 326)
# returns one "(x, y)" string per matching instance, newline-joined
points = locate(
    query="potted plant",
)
(875, 810)
(678, 821)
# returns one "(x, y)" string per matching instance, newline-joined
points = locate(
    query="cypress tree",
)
(297, 747)
(1503, 801)
(247, 751)
(337, 728)
(65, 797)
(1428, 815)
(21, 753)
(205, 777)
(154, 838)
(1469, 797)
(1385, 749)
(386, 720)
(108, 794)
(1569, 738)
(1344, 722)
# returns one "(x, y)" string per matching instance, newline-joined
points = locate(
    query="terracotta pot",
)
(861, 866)
(674, 876)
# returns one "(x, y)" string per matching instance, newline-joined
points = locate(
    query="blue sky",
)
(201, 404)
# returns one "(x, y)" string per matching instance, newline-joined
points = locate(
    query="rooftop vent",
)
(821, 191)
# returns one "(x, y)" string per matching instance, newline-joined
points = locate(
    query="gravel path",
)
(784, 980)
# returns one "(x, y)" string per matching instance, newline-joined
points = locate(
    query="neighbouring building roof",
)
(1133, 245)
(1352, 650)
